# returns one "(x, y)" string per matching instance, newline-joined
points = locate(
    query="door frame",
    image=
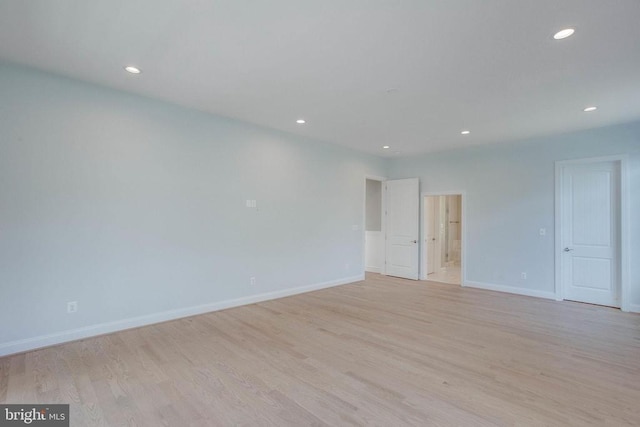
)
(383, 220)
(623, 217)
(463, 232)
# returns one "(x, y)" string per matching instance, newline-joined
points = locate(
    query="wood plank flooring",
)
(384, 351)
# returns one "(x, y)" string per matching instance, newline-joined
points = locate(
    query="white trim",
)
(382, 220)
(375, 178)
(556, 231)
(463, 231)
(625, 228)
(625, 291)
(511, 290)
(28, 344)
(633, 308)
(614, 158)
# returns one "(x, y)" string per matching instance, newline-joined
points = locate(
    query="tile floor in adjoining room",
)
(449, 275)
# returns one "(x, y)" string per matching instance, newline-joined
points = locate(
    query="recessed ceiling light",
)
(301, 121)
(588, 109)
(133, 70)
(563, 34)
(385, 146)
(465, 132)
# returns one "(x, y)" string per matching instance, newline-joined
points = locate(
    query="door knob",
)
(567, 249)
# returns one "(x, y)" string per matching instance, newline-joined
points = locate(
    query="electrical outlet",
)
(252, 280)
(524, 275)
(72, 307)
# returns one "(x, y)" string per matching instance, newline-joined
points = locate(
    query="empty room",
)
(328, 213)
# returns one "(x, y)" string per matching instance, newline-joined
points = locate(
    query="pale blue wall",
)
(510, 196)
(133, 206)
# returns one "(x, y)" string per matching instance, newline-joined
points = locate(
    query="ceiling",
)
(362, 73)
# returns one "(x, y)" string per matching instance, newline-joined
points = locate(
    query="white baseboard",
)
(511, 290)
(20, 346)
(633, 308)
(373, 269)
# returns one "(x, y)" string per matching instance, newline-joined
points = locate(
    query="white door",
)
(431, 233)
(589, 230)
(442, 232)
(402, 198)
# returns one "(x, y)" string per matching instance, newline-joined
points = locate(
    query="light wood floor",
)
(383, 352)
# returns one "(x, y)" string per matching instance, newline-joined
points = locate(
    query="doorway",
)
(392, 227)
(373, 222)
(590, 232)
(443, 238)
(402, 230)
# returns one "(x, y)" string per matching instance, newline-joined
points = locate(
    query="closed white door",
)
(589, 229)
(402, 198)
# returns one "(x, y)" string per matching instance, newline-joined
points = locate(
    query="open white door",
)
(431, 232)
(403, 211)
(589, 231)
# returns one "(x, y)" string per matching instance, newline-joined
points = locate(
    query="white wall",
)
(373, 206)
(374, 251)
(510, 196)
(136, 209)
